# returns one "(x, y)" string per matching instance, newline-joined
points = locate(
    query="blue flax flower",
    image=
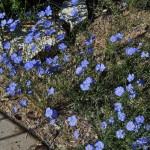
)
(55, 114)
(84, 63)
(4, 55)
(28, 83)
(74, 2)
(99, 145)
(60, 37)
(37, 34)
(33, 48)
(33, 29)
(116, 37)
(28, 39)
(13, 72)
(100, 67)
(79, 19)
(129, 88)
(52, 122)
(28, 65)
(19, 52)
(47, 24)
(86, 84)
(1, 71)
(144, 54)
(13, 25)
(29, 92)
(121, 116)
(19, 91)
(39, 22)
(2, 15)
(89, 42)
(23, 103)
(13, 56)
(111, 120)
(132, 94)
(8, 64)
(129, 39)
(124, 4)
(141, 143)
(49, 61)
(7, 45)
(130, 126)
(72, 120)
(119, 91)
(89, 51)
(76, 134)
(113, 38)
(120, 134)
(118, 107)
(15, 109)
(48, 11)
(51, 91)
(36, 63)
(3, 23)
(50, 32)
(18, 60)
(41, 14)
(11, 89)
(130, 77)
(62, 17)
(93, 37)
(88, 80)
(140, 44)
(147, 127)
(66, 58)
(103, 125)
(140, 82)
(40, 71)
(74, 12)
(89, 147)
(130, 51)
(62, 46)
(84, 87)
(79, 70)
(48, 112)
(139, 119)
(119, 36)
(55, 59)
(137, 126)
(47, 47)
(1, 58)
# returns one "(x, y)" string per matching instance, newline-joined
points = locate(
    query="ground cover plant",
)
(95, 97)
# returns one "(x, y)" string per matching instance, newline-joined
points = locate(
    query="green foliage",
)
(11, 6)
(14, 7)
(113, 6)
(144, 4)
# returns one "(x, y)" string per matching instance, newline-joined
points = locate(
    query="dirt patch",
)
(131, 24)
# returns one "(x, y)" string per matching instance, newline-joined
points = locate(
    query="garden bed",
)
(110, 66)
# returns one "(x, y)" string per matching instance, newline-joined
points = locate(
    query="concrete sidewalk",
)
(13, 137)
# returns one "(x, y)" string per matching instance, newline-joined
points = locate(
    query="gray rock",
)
(65, 13)
(18, 40)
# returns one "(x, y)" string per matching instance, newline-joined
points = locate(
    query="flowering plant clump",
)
(98, 101)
